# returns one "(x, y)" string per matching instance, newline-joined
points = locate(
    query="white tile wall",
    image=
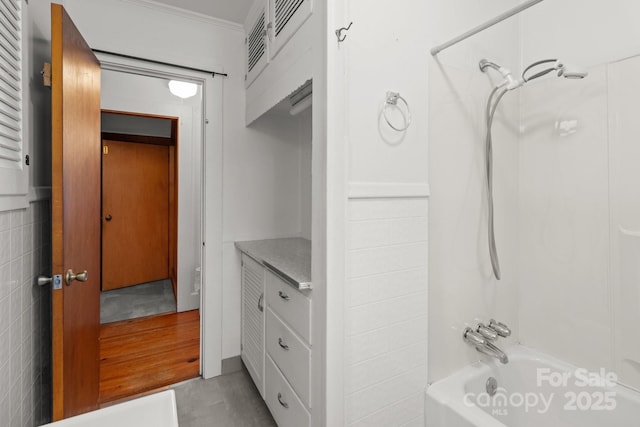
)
(564, 220)
(25, 335)
(386, 322)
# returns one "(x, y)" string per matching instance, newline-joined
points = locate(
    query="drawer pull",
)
(282, 344)
(284, 296)
(260, 302)
(285, 405)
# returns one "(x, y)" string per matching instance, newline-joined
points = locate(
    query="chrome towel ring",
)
(392, 100)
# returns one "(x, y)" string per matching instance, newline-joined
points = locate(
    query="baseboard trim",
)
(231, 365)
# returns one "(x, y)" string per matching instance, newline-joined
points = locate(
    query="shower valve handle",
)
(487, 332)
(500, 328)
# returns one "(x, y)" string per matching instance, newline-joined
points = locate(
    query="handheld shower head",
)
(562, 69)
(571, 72)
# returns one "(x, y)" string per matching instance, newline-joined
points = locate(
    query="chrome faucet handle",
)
(500, 328)
(474, 338)
(487, 332)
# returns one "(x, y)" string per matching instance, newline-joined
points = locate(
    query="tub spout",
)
(491, 350)
(484, 346)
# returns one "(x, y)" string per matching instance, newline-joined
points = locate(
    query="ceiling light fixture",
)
(183, 89)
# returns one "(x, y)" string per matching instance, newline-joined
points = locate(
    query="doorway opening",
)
(145, 344)
(139, 215)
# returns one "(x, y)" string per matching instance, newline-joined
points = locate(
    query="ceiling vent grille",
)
(285, 9)
(256, 46)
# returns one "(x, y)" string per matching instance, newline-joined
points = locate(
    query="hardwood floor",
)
(144, 354)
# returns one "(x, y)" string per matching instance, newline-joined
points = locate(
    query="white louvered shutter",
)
(11, 139)
(256, 42)
(253, 320)
(286, 17)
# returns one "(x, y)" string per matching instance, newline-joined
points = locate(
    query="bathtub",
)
(534, 390)
(155, 410)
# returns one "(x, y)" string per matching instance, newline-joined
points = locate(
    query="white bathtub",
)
(155, 410)
(534, 390)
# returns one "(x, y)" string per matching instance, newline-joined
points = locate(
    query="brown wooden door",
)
(135, 214)
(75, 217)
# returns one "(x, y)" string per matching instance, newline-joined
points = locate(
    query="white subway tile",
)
(5, 314)
(365, 402)
(5, 281)
(369, 234)
(387, 259)
(377, 315)
(27, 238)
(24, 348)
(16, 218)
(5, 247)
(365, 209)
(416, 422)
(398, 414)
(5, 221)
(364, 290)
(385, 367)
(359, 348)
(16, 243)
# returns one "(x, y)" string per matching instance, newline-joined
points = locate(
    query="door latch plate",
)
(57, 281)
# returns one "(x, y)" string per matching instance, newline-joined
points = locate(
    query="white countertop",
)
(288, 258)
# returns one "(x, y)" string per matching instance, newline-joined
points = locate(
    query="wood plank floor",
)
(144, 354)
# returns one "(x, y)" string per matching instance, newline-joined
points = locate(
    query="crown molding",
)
(150, 4)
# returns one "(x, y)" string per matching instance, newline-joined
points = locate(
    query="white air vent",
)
(10, 85)
(287, 16)
(285, 9)
(256, 41)
(256, 44)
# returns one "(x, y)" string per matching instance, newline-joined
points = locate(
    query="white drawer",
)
(290, 354)
(290, 305)
(285, 406)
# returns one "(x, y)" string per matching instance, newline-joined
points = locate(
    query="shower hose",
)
(492, 105)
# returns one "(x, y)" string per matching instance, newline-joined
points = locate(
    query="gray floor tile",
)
(226, 401)
(132, 302)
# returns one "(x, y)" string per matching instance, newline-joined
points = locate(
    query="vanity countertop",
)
(290, 258)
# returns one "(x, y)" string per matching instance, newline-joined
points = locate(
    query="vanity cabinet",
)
(276, 337)
(288, 353)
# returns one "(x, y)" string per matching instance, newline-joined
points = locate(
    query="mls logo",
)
(500, 412)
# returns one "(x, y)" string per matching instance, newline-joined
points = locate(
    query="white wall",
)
(306, 164)
(575, 187)
(377, 289)
(564, 228)
(587, 33)
(462, 290)
(261, 201)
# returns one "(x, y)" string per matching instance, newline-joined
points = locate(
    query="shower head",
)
(562, 70)
(571, 72)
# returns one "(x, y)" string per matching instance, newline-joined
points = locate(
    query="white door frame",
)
(211, 291)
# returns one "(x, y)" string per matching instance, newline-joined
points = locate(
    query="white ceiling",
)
(229, 10)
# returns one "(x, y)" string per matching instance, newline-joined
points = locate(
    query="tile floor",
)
(132, 302)
(230, 400)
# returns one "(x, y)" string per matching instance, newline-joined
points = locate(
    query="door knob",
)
(44, 280)
(108, 217)
(80, 277)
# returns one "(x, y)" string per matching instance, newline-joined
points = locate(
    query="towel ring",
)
(392, 99)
